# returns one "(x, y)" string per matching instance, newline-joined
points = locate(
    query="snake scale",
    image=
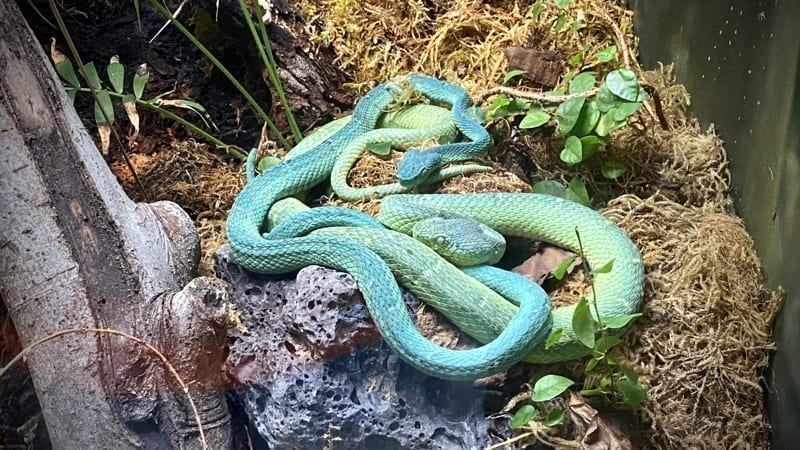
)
(511, 333)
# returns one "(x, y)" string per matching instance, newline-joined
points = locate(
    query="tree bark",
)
(76, 252)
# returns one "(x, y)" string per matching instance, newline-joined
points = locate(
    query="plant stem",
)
(263, 115)
(232, 150)
(268, 59)
(591, 282)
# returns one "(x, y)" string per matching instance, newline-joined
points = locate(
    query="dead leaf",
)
(133, 116)
(541, 265)
(104, 130)
(594, 431)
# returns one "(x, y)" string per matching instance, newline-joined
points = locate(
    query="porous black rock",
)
(312, 372)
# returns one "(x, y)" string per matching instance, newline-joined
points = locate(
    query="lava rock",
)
(313, 372)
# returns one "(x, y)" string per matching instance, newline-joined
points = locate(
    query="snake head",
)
(461, 240)
(416, 166)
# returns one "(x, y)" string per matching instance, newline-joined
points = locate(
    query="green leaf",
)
(534, 118)
(586, 121)
(578, 24)
(116, 74)
(592, 392)
(138, 15)
(512, 74)
(607, 124)
(625, 110)
(582, 82)
(499, 101)
(549, 387)
(590, 143)
(623, 84)
(554, 417)
(90, 75)
(562, 4)
(504, 106)
(615, 322)
(583, 324)
(104, 101)
(612, 169)
(140, 79)
(550, 187)
(573, 151)
(267, 162)
(630, 374)
(381, 148)
(632, 392)
(561, 23)
(607, 54)
(568, 113)
(611, 360)
(592, 363)
(536, 10)
(523, 415)
(553, 338)
(576, 191)
(477, 114)
(67, 72)
(605, 343)
(606, 99)
(605, 268)
(562, 268)
(576, 59)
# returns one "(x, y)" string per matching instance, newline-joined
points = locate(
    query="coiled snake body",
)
(365, 251)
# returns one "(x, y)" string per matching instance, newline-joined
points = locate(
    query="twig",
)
(537, 96)
(135, 339)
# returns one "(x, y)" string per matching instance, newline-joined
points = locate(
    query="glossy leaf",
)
(549, 387)
(583, 324)
(554, 417)
(625, 110)
(523, 415)
(576, 191)
(605, 268)
(512, 74)
(605, 343)
(623, 84)
(562, 268)
(534, 119)
(568, 113)
(590, 143)
(587, 120)
(573, 151)
(582, 82)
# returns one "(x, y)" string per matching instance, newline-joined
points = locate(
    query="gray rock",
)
(313, 372)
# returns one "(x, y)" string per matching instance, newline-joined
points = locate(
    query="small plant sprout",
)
(604, 375)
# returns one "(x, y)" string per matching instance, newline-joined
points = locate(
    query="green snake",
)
(483, 313)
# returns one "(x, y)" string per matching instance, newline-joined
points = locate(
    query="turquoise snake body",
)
(364, 252)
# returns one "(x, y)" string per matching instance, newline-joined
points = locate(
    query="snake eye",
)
(441, 240)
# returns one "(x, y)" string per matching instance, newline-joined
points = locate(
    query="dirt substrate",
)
(705, 337)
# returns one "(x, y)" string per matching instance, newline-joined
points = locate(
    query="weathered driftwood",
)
(76, 252)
